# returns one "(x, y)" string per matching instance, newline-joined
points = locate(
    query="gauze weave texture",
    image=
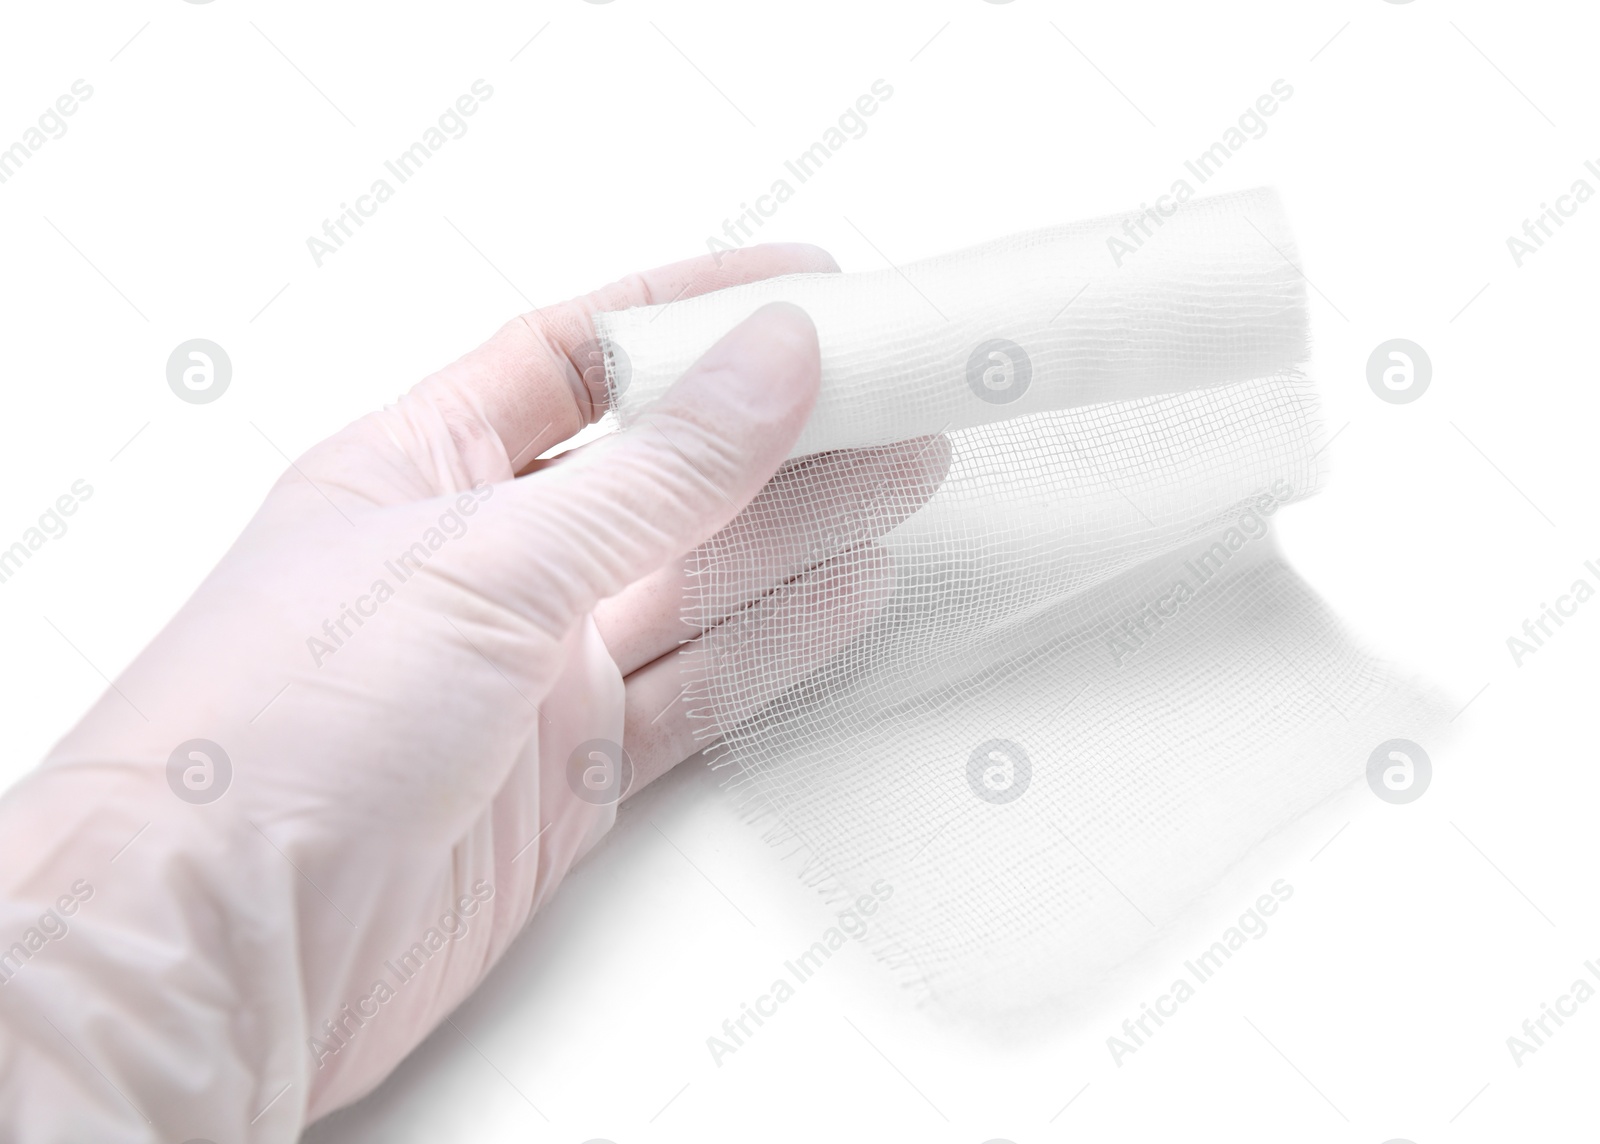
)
(1092, 684)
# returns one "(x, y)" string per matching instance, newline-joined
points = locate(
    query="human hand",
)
(400, 658)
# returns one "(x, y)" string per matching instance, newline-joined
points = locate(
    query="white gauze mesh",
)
(1052, 697)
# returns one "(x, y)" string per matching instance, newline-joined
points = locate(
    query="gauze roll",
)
(1039, 321)
(1095, 684)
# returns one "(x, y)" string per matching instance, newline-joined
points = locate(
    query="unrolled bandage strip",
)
(1095, 684)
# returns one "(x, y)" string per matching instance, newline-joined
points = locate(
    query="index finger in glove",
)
(538, 380)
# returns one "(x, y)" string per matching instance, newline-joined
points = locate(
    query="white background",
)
(1419, 137)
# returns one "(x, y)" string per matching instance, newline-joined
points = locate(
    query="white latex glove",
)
(399, 659)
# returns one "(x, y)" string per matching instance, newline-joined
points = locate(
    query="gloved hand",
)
(313, 813)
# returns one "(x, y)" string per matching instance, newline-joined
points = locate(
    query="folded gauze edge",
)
(1092, 684)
